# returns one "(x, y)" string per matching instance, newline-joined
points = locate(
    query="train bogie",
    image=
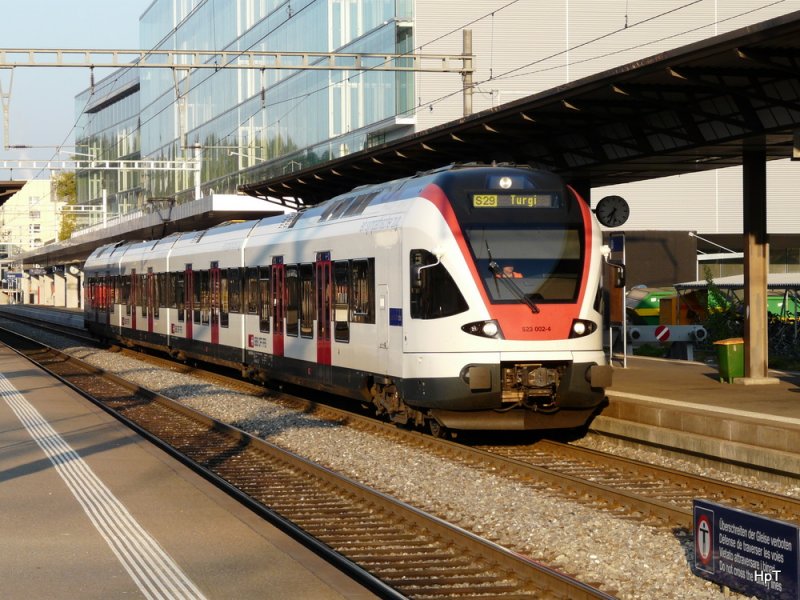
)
(465, 297)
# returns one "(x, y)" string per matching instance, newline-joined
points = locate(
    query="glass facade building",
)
(245, 123)
(109, 129)
(248, 125)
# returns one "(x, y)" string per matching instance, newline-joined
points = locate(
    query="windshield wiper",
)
(509, 283)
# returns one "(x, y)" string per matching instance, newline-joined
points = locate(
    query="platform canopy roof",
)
(690, 109)
(775, 281)
(9, 188)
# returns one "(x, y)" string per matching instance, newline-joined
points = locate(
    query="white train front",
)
(464, 298)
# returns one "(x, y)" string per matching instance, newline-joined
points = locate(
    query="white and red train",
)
(464, 298)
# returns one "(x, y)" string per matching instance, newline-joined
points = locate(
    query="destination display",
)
(540, 200)
(745, 551)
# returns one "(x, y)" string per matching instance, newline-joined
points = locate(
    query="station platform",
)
(683, 405)
(66, 317)
(90, 510)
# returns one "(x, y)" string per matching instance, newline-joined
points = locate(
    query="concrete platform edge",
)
(719, 410)
(757, 456)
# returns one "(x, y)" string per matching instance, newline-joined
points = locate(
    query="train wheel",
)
(437, 429)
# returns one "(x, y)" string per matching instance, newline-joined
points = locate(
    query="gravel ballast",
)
(625, 558)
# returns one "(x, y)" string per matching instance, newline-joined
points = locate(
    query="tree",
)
(65, 189)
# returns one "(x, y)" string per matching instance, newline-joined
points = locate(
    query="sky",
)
(42, 103)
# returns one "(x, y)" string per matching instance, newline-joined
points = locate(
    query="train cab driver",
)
(509, 273)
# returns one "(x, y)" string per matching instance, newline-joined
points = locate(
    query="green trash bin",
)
(730, 355)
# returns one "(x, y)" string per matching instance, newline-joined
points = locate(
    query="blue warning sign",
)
(746, 552)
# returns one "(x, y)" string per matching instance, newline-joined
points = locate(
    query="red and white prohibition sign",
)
(662, 333)
(703, 540)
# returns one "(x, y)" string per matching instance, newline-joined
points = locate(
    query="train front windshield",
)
(526, 232)
(539, 264)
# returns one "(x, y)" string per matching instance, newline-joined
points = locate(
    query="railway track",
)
(659, 485)
(655, 494)
(391, 547)
(627, 489)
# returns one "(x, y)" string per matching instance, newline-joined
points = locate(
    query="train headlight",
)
(581, 328)
(488, 329)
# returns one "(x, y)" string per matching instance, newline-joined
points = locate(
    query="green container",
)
(730, 355)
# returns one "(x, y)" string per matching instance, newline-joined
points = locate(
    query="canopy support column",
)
(756, 265)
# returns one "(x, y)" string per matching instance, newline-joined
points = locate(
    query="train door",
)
(383, 328)
(150, 299)
(188, 296)
(135, 294)
(324, 288)
(215, 301)
(278, 304)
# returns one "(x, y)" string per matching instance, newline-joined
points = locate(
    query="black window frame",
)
(292, 275)
(434, 293)
(341, 301)
(264, 298)
(308, 309)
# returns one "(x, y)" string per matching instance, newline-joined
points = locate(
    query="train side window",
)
(156, 282)
(170, 291)
(434, 294)
(126, 293)
(136, 293)
(235, 290)
(163, 289)
(308, 307)
(113, 282)
(251, 290)
(197, 295)
(341, 299)
(143, 294)
(205, 297)
(224, 297)
(362, 287)
(90, 293)
(264, 299)
(180, 291)
(292, 299)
